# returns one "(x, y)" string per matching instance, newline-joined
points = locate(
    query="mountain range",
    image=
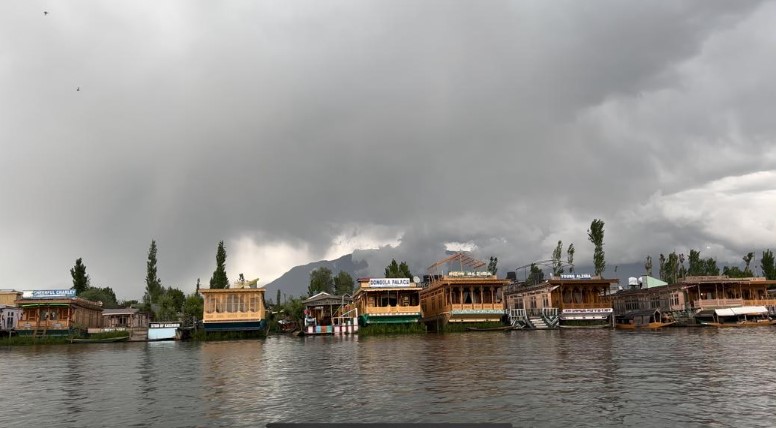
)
(295, 282)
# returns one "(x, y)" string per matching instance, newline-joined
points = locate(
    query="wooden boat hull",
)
(739, 324)
(504, 328)
(650, 326)
(108, 340)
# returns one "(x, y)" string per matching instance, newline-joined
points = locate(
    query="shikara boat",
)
(649, 319)
(743, 316)
(501, 328)
(105, 340)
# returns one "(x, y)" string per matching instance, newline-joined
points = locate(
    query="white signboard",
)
(389, 282)
(575, 276)
(587, 311)
(48, 294)
(470, 274)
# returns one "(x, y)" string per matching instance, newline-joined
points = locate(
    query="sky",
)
(297, 131)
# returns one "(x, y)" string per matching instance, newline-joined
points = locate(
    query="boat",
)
(501, 328)
(743, 316)
(651, 319)
(104, 340)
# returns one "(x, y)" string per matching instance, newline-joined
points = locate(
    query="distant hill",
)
(294, 283)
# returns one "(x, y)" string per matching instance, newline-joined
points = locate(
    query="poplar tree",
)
(570, 257)
(80, 278)
(153, 283)
(767, 265)
(596, 235)
(557, 264)
(219, 279)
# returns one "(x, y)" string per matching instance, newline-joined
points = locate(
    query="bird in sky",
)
(78, 89)
(45, 12)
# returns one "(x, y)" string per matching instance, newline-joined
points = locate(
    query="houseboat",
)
(239, 308)
(327, 314)
(9, 320)
(696, 300)
(132, 320)
(457, 290)
(563, 301)
(387, 301)
(56, 313)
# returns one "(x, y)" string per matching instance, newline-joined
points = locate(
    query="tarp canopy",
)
(743, 310)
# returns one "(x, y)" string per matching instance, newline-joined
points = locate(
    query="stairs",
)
(538, 323)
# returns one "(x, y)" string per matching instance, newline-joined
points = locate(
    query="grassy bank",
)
(29, 340)
(385, 329)
(202, 336)
(461, 327)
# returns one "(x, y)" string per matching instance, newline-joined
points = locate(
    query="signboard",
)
(479, 274)
(389, 282)
(48, 294)
(587, 311)
(575, 276)
(165, 325)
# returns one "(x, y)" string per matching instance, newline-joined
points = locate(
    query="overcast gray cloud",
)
(296, 131)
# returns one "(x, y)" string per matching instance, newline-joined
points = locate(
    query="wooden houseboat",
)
(238, 308)
(387, 301)
(457, 290)
(694, 301)
(564, 301)
(327, 314)
(56, 313)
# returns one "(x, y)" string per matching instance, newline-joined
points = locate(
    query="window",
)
(232, 303)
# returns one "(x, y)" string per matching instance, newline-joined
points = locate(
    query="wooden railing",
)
(595, 305)
(470, 306)
(391, 309)
(723, 303)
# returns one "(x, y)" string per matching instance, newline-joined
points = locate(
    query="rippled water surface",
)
(675, 377)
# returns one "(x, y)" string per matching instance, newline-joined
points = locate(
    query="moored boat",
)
(651, 319)
(743, 316)
(102, 340)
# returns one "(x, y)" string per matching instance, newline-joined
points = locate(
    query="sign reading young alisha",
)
(389, 282)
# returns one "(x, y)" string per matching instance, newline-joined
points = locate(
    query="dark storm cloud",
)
(510, 125)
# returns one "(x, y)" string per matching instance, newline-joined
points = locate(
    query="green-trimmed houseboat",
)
(387, 301)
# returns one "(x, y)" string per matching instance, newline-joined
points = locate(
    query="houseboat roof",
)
(120, 311)
(25, 302)
(325, 297)
(231, 290)
(462, 259)
(724, 279)
(742, 310)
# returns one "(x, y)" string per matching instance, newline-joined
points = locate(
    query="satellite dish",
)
(415, 279)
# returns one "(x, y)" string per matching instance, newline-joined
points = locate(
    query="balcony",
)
(594, 305)
(390, 310)
(728, 303)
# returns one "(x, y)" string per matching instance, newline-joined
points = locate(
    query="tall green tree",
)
(557, 264)
(153, 283)
(710, 267)
(343, 283)
(493, 265)
(398, 270)
(671, 268)
(662, 260)
(570, 257)
(80, 278)
(748, 260)
(219, 279)
(536, 275)
(648, 266)
(193, 307)
(696, 266)
(596, 236)
(767, 265)
(101, 294)
(278, 297)
(321, 280)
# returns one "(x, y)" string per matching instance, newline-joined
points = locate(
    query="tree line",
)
(164, 303)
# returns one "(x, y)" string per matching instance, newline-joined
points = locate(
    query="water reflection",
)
(687, 377)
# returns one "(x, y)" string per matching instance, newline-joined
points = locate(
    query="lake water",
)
(594, 378)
